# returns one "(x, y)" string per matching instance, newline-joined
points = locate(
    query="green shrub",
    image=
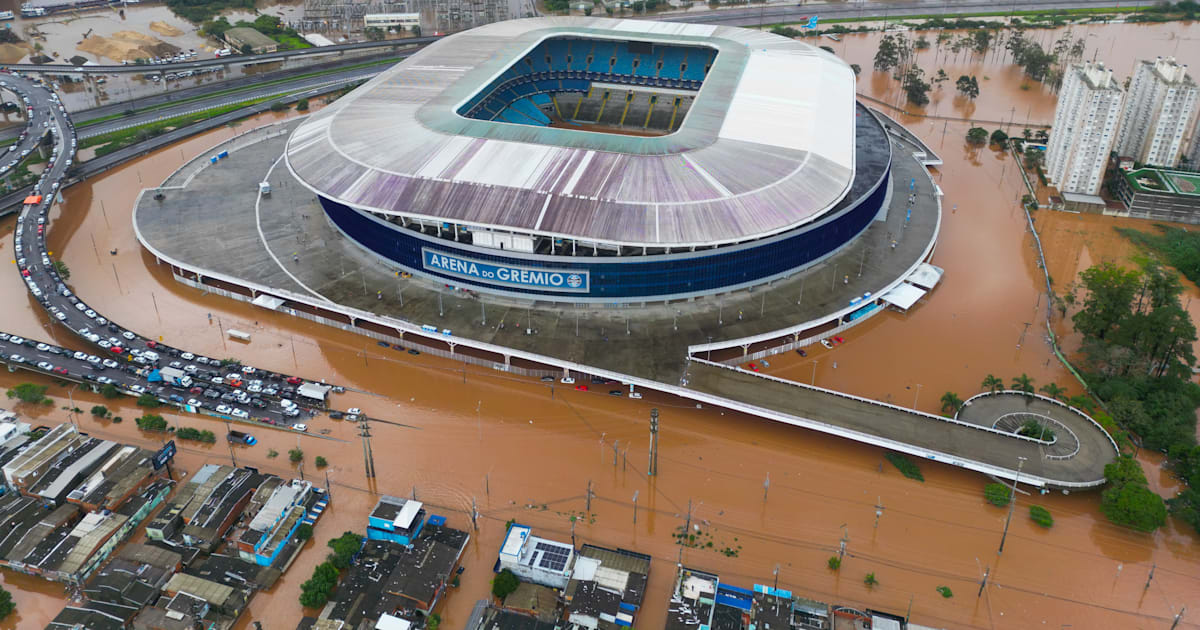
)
(100, 411)
(870, 580)
(302, 105)
(148, 400)
(321, 462)
(7, 605)
(198, 435)
(304, 531)
(271, 453)
(28, 392)
(110, 391)
(905, 466)
(152, 422)
(1041, 516)
(945, 591)
(834, 563)
(997, 494)
(295, 455)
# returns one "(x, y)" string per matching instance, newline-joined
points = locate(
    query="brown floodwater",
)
(523, 450)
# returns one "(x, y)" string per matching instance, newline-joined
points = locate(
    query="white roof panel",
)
(407, 513)
(904, 296)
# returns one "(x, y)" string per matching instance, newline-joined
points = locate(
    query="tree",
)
(834, 563)
(1036, 430)
(148, 400)
(344, 547)
(304, 531)
(999, 137)
(870, 580)
(1033, 157)
(977, 135)
(272, 453)
(1054, 391)
(28, 392)
(100, 411)
(416, 30)
(434, 621)
(151, 422)
(321, 462)
(1023, 383)
(374, 33)
(7, 605)
(992, 384)
(887, 56)
(1082, 401)
(856, 68)
(940, 78)
(504, 584)
(968, 86)
(62, 269)
(921, 43)
(295, 455)
(915, 86)
(945, 591)
(1127, 501)
(302, 105)
(951, 403)
(997, 494)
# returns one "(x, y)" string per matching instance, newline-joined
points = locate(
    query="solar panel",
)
(554, 557)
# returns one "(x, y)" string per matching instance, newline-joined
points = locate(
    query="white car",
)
(246, 369)
(187, 356)
(16, 358)
(128, 335)
(286, 404)
(190, 369)
(354, 411)
(137, 388)
(254, 388)
(224, 408)
(300, 427)
(101, 320)
(93, 359)
(45, 366)
(566, 380)
(90, 313)
(103, 343)
(193, 402)
(81, 306)
(217, 380)
(80, 356)
(42, 347)
(109, 363)
(240, 413)
(61, 316)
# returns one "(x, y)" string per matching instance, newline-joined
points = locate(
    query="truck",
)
(241, 437)
(175, 377)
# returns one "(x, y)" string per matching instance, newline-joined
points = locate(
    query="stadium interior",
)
(627, 87)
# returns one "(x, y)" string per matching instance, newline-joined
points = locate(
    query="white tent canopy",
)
(267, 301)
(926, 276)
(904, 296)
(313, 390)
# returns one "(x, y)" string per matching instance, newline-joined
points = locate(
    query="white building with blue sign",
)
(537, 560)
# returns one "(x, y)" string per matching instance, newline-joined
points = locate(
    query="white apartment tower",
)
(1158, 112)
(1085, 126)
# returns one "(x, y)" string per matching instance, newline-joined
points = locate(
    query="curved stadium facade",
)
(599, 160)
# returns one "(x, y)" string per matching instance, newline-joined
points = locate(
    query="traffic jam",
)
(123, 359)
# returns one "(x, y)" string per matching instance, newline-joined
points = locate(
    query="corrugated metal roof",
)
(767, 145)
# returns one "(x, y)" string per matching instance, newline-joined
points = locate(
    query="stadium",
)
(599, 160)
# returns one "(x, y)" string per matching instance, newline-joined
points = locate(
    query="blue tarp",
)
(154, 377)
(434, 519)
(734, 602)
(628, 606)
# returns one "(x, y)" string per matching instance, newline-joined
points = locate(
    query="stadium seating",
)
(561, 64)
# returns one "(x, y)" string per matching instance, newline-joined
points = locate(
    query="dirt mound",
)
(12, 53)
(127, 46)
(164, 29)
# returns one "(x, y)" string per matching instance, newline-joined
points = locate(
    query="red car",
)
(25, 272)
(582, 388)
(116, 349)
(60, 370)
(294, 380)
(752, 366)
(838, 340)
(196, 390)
(151, 344)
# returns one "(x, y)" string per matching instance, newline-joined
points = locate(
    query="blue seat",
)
(540, 99)
(530, 111)
(672, 59)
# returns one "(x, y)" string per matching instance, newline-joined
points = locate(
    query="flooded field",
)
(524, 450)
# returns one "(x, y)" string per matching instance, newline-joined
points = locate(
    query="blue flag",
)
(812, 22)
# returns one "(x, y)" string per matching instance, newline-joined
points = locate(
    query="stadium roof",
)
(767, 145)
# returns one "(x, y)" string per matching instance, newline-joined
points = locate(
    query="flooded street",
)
(526, 450)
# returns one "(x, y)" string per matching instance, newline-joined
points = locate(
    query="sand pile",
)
(164, 29)
(127, 46)
(12, 53)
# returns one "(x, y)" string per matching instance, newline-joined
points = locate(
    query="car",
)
(567, 380)
(105, 380)
(150, 356)
(103, 343)
(825, 342)
(217, 380)
(93, 337)
(176, 364)
(79, 356)
(616, 392)
(291, 413)
(211, 393)
(137, 388)
(101, 320)
(753, 367)
(227, 397)
(116, 349)
(270, 391)
(45, 366)
(60, 316)
(202, 360)
(190, 369)
(246, 369)
(236, 382)
(196, 390)
(151, 344)
(547, 379)
(128, 335)
(15, 340)
(354, 411)
(300, 427)
(801, 352)
(240, 413)
(93, 359)
(192, 402)
(294, 380)
(259, 403)
(838, 340)
(224, 409)
(253, 387)
(90, 313)
(176, 398)
(414, 351)
(635, 395)
(582, 388)
(43, 347)
(187, 356)
(109, 363)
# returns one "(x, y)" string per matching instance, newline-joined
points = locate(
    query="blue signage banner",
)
(570, 280)
(164, 455)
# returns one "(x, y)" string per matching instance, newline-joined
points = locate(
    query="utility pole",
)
(983, 583)
(487, 484)
(368, 457)
(687, 528)
(776, 576)
(766, 486)
(878, 510)
(1011, 504)
(635, 498)
(653, 469)
(474, 515)
(232, 457)
(1151, 577)
(1178, 618)
(589, 496)
(845, 539)
(614, 447)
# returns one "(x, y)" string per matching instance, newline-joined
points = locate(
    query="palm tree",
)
(1054, 391)
(951, 403)
(991, 383)
(1023, 383)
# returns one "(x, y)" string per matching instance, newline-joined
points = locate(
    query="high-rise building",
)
(1158, 112)
(1085, 126)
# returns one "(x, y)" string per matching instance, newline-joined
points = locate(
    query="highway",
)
(123, 358)
(791, 13)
